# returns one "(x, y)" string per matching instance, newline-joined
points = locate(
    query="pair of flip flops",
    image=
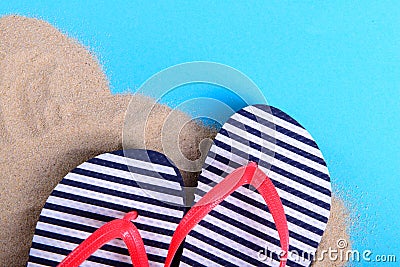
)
(263, 199)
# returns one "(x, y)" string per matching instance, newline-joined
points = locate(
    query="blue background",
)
(335, 67)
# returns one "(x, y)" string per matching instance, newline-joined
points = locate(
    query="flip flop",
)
(232, 225)
(118, 228)
(104, 190)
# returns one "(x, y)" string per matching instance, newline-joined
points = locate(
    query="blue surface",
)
(335, 67)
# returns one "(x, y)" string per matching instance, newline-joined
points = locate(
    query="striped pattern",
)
(241, 226)
(105, 188)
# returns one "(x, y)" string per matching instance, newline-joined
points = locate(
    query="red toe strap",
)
(119, 228)
(249, 174)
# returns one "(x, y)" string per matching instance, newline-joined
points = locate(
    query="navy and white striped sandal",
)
(230, 224)
(104, 190)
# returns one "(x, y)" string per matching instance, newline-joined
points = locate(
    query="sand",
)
(56, 112)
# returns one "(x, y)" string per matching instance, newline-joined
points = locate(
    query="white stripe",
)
(254, 224)
(71, 218)
(156, 223)
(267, 158)
(300, 187)
(85, 207)
(124, 188)
(115, 242)
(234, 245)
(155, 264)
(277, 135)
(238, 232)
(267, 216)
(216, 251)
(97, 224)
(31, 264)
(273, 175)
(58, 258)
(138, 163)
(72, 232)
(288, 196)
(109, 212)
(277, 149)
(289, 211)
(71, 246)
(278, 121)
(238, 246)
(119, 200)
(130, 175)
(197, 258)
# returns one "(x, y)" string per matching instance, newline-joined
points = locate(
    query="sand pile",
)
(56, 112)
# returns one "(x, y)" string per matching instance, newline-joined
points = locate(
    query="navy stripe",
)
(302, 167)
(301, 195)
(131, 169)
(207, 255)
(278, 128)
(77, 212)
(70, 225)
(304, 225)
(214, 170)
(274, 168)
(278, 113)
(276, 183)
(154, 229)
(272, 140)
(213, 242)
(120, 194)
(42, 261)
(90, 215)
(243, 241)
(300, 180)
(232, 150)
(104, 218)
(293, 177)
(152, 157)
(238, 254)
(106, 247)
(91, 201)
(285, 202)
(222, 159)
(145, 156)
(289, 218)
(90, 229)
(269, 152)
(192, 263)
(262, 207)
(77, 241)
(155, 258)
(305, 211)
(65, 252)
(256, 218)
(132, 183)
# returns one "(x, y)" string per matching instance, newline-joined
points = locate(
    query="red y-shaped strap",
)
(119, 228)
(249, 174)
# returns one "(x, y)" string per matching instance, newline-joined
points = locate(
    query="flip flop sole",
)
(105, 188)
(240, 231)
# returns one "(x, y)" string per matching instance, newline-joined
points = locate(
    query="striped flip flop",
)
(236, 227)
(106, 188)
